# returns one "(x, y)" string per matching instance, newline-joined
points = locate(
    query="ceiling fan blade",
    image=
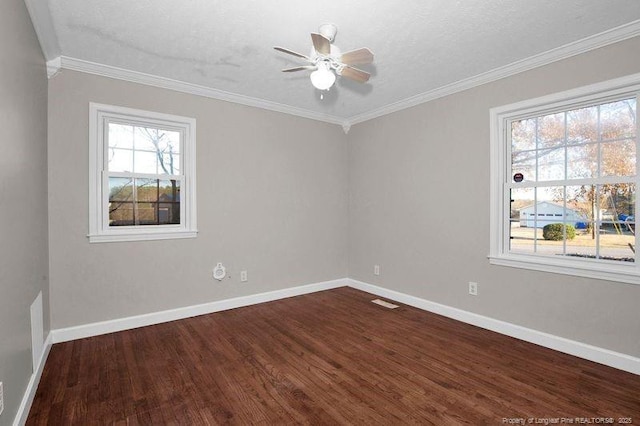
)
(306, 67)
(357, 57)
(291, 52)
(355, 74)
(321, 43)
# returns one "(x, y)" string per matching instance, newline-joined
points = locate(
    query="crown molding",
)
(184, 87)
(43, 25)
(605, 38)
(53, 67)
(614, 35)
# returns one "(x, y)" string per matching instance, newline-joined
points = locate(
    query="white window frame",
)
(99, 230)
(501, 117)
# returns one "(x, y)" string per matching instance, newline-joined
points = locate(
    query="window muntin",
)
(143, 175)
(576, 153)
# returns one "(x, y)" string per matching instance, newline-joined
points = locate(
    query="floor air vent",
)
(385, 304)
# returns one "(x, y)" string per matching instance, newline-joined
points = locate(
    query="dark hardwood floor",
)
(326, 358)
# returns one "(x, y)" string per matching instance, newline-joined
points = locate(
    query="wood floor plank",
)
(331, 357)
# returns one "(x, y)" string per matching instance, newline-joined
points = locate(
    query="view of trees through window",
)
(144, 175)
(143, 202)
(576, 168)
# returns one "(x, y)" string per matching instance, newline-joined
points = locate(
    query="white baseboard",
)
(581, 350)
(571, 347)
(111, 326)
(32, 386)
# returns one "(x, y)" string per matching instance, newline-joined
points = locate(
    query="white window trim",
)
(99, 230)
(499, 227)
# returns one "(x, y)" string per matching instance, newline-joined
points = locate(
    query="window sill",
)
(626, 273)
(141, 236)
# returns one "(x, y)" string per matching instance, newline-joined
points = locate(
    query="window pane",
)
(120, 189)
(616, 204)
(616, 221)
(147, 138)
(618, 158)
(617, 246)
(169, 191)
(618, 119)
(582, 125)
(523, 134)
(169, 211)
(147, 190)
(146, 162)
(551, 130)
(580, 214)
(551, 164)
(524, 162)
(582, 161)
(120, 160)
(549, 211)
(624, 199)
(157, 140)
(550, 201)
(173, 142)
(120, 136)
(522, 229)
(146, 214)
(169, 164)
(580, 205)
(120, 202)
(584, 244)
(621, 200)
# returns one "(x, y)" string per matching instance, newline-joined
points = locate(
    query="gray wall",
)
(290, 200)
(272, 199)
(419, 207)
(23, 197)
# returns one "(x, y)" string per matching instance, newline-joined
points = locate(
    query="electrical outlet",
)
(376, 269)
(473, 288)
(1, 399)
(243, 276)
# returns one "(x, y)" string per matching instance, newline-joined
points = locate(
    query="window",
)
(564, 174)
(142, 175)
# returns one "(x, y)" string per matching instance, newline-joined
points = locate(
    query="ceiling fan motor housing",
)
(334, 54)
(329, 31)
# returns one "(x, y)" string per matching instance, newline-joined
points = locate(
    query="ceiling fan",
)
(325, 58)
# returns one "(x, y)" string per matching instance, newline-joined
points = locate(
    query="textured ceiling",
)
(419, 45)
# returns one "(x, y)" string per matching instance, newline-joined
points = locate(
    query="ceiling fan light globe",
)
(322, 79)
